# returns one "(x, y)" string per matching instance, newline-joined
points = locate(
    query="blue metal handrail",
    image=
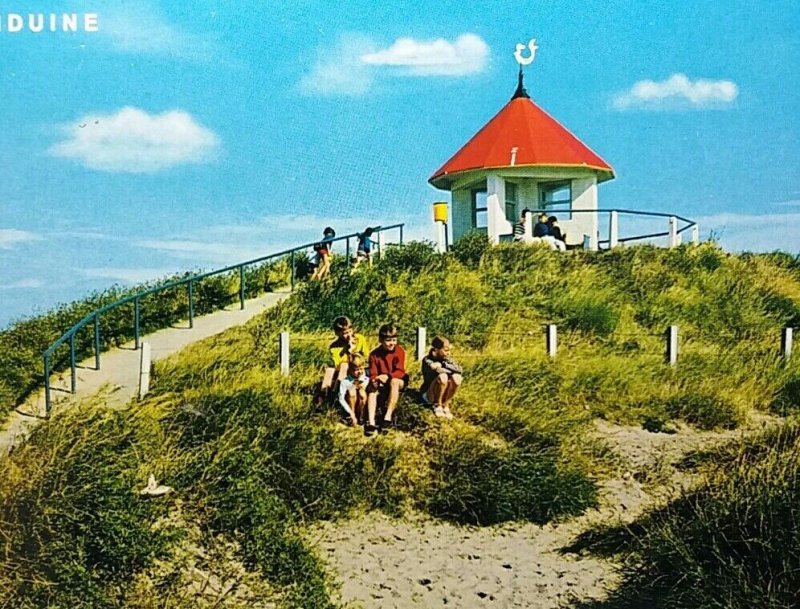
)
(94, 316)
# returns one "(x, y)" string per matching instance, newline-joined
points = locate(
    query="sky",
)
(186, 136)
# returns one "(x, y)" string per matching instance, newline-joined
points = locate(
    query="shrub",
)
(469, 249)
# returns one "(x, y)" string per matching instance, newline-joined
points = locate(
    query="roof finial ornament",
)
(524, 61)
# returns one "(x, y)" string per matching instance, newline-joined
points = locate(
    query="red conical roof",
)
(539, 140)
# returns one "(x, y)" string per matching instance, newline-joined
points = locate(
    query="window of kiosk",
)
(556, 197)
(480, 215)
(511, 202)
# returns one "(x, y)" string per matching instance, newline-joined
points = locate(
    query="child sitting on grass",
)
(353, 389)
(387, 378)
(441, 377)
(347, 344)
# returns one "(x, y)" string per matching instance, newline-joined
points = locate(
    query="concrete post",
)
(673, 231)
(672, 345)
(613, 230)
(144, 370)
(552, 340)
(283, 343)
(786, 344)
(422, 343)
(695, 234)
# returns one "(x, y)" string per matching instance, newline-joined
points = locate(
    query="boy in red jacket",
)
(387, 377)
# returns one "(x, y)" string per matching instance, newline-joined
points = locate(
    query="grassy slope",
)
(23, 342)
(251, 459)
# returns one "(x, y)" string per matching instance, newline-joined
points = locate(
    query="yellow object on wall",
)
(440, 212)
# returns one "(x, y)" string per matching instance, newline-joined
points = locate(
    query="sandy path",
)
(387, 563)
(118, 377)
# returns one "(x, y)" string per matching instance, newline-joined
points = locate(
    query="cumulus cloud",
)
(351, 66)
(134, 141)
(678, 91)
(467, 55)
(10, 237)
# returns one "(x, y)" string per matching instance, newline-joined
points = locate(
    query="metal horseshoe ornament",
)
(524, 61)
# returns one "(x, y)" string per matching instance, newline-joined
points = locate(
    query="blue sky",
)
(180, 137)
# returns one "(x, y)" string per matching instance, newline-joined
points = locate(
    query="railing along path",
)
(94, 317)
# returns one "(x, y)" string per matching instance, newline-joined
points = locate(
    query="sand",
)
(389, 563)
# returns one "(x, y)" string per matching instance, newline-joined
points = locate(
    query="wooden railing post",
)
(786, 344)
(552, 340)
(671, 356)
(422, 343)
(283, 343)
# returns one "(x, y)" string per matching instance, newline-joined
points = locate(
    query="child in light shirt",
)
(353, 389)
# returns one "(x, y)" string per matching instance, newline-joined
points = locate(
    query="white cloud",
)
(10, 237)
(467, 55)
(351, 66)
(22, 284)
(339, 70)
(204, 253)
(133, 141)
(126, 275)
(140, 27)
(755, 233)
(678, 91)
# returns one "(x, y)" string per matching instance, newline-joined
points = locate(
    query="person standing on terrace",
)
(387, 378)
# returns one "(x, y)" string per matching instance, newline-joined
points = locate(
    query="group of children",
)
(369, 383)
(322, 250)
(546, 230)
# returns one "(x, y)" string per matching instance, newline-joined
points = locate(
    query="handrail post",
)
(73, 375)
(241, 287)
(401, 234)
(292, 265)
(347, 250)
(380, 244)
(97, 342)
(695, 234)
(46, 384)
(136, 324)
(673, 231)
(191, 304)
(613, 229)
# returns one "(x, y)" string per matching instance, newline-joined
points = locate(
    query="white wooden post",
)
(673, 231)
(422, 343)
(695, 234)
(441, 237)
(613, 229)
(552, 340)
(144, 370)
(283, 343)
(672, 345)
(380, 244)
(786, 344)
